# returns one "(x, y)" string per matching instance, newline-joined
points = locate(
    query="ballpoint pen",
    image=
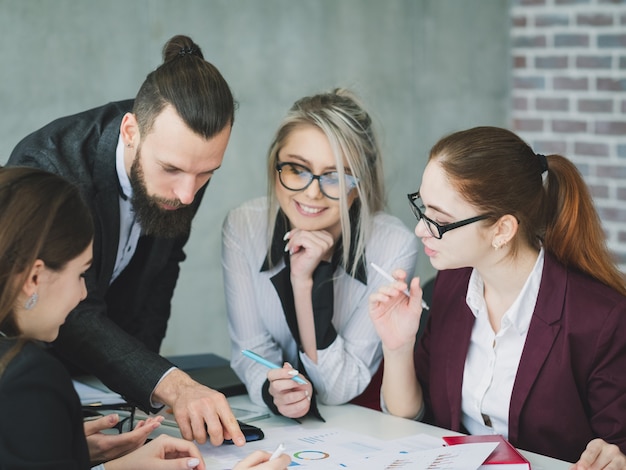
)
(271, 365)
(390, 278)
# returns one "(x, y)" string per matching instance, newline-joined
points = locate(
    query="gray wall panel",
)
(423, 67)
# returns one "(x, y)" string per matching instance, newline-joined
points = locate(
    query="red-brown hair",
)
(499, 174)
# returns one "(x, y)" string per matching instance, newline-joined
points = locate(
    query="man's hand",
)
(198, 410)
(105, 447)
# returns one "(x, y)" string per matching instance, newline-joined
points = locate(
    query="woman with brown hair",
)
(527, 330)
(46, 235)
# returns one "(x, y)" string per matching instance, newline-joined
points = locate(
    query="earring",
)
(129, 144)
(31, 302)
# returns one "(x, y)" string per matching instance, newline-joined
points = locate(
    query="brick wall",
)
(569, 95)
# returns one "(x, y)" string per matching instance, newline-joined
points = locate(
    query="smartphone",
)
(251, 433)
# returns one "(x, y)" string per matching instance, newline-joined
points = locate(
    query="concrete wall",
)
(423, 67)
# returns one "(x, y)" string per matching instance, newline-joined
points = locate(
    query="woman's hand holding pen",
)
(293, 400)
(260, 460)
(396, 317)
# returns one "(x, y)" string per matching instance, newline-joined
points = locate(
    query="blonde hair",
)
(348, 128)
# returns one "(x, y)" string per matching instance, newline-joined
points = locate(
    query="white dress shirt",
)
(257, 321)
(492, 359)
(129, 227)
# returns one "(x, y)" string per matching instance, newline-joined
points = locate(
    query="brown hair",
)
(498, 173)
(193, 86)
(42, 216)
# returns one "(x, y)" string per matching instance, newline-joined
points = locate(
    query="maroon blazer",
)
(571, 382)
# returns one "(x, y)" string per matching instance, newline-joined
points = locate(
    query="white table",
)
(376, 424)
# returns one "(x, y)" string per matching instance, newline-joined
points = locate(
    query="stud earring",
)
(32, 301)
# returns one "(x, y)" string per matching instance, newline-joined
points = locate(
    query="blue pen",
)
(266, 363)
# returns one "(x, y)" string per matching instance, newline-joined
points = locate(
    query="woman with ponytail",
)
(527, 329)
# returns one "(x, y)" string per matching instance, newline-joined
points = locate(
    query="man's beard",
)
(154, 220)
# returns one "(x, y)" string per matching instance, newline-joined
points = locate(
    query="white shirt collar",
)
(520, 313)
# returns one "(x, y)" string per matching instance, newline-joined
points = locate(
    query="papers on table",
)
(334, 448)
(92, 396)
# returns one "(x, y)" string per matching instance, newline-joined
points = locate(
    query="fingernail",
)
(113, 418)
(286, 236)
(286, 247)
(191, 463)
(293, 372)
(290, 252)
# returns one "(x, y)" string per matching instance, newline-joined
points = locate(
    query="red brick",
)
(609, 84)
(621, 236)
(519, 21)
(551, 20)
(568, 126)
(529, 83)
(519, 62)
(612, 40)
(531, 2)
(528, 125)
(553, 62)
(612, 214)
(624, 106)
(594, 20)
(621, 194)
(610, 128)
(615, 172)
(552, 104)
(529, 41)
(549, 147)
(591, 149)
(520, 104)
(594, 62)
(595, 106)
(566, 83)
(571, 2)
(571, 40)
(599, 191)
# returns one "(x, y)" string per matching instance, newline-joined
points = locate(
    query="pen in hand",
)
(271, 365)
(390, 278)
(279, 450)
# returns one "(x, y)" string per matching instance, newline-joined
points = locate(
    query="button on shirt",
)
(492, 359)
(129, 227)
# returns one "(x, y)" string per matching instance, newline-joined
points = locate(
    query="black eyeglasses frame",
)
(279, 168)
(441, 229)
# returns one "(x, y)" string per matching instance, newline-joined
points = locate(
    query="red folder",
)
(503, 457)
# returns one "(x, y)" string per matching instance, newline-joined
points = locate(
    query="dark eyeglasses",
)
(296, 177)
(433, 227)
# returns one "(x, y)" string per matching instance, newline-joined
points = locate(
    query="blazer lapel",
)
(542, 332)
(106, 201)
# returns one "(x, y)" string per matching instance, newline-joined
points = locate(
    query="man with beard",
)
(142, 165)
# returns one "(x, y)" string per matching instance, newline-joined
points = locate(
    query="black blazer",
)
(42, 421)
(101, 335)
